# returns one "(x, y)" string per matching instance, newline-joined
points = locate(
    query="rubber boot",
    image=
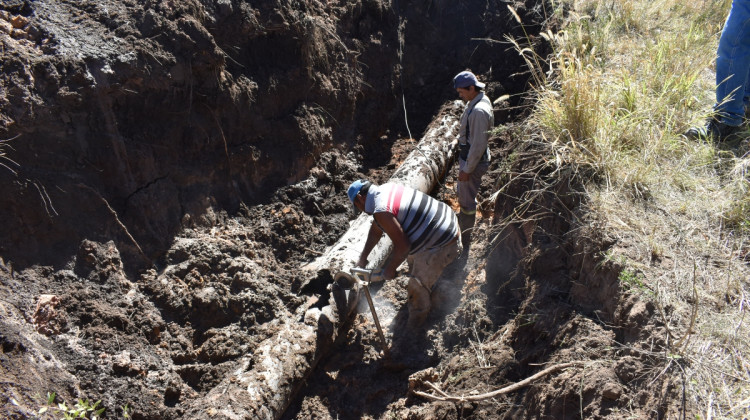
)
(466, 224)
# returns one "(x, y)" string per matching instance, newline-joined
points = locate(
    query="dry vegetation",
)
(625, 79)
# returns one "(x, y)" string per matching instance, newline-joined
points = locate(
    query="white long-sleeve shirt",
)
(480, 119)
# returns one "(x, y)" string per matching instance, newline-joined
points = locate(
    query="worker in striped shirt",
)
(424, 231)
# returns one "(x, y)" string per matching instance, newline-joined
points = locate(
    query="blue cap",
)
(466, 79)
(355, 188)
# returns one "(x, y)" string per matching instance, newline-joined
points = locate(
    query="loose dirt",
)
(175, 164)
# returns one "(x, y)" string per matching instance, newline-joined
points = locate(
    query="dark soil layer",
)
(173, 164)
(130, 115)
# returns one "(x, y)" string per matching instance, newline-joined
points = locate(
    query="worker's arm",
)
(401, 245)
(373, 236)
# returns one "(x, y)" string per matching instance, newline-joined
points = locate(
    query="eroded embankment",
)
(544, 296)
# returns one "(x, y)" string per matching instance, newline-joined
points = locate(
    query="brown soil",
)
(175, 163)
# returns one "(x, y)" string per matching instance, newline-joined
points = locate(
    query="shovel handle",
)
(375, 318)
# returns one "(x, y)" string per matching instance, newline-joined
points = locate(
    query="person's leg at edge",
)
(733, 65)
(732, 76)
(746, 100)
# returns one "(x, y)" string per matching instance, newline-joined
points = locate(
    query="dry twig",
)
(312, 251)
(679, 346)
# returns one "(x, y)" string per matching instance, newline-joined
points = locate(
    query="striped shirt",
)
(428, 223)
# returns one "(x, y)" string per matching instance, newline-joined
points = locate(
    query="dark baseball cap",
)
(466, 79)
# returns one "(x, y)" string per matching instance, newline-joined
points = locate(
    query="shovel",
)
(364, 277)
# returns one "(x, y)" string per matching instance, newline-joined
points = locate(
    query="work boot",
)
(466, 224)
(718, 131)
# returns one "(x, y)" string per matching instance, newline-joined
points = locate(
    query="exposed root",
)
(117, 219)
(508, 389)
(4, 157)
(46, 200)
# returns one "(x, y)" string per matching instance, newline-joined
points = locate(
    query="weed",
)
(481, 358)
(526, 319)
(634, 282)
(82, 409)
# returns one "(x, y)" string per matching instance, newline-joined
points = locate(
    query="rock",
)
(47, 319)
(611, 391)
(19, 22)
(5, 27)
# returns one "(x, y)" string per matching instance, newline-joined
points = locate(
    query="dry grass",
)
(626, 78)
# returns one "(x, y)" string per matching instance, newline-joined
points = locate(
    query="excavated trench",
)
(177, 167)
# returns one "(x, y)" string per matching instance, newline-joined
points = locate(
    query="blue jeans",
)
(733, 65)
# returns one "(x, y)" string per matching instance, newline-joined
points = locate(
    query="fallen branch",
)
(510, 388)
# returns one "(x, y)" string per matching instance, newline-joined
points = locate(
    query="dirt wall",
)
(129, 115)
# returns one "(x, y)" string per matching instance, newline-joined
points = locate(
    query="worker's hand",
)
(454, 145)
(463, 176)
(362, 263)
